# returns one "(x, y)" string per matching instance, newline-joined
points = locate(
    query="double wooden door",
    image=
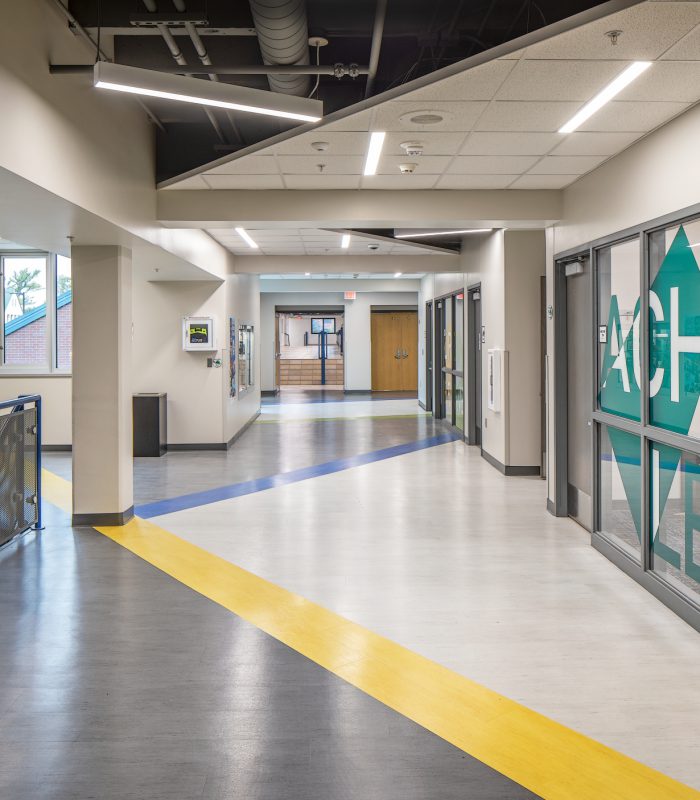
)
(394, 351)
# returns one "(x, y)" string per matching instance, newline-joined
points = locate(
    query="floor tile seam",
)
(243, 488)
(260, 421)
(430, 691)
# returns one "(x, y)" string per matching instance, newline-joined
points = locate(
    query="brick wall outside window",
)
(28, 344)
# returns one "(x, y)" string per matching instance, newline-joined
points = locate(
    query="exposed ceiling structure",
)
(495, 126)
(378, 45)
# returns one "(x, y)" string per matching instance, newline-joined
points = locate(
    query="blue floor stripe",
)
(195, 499)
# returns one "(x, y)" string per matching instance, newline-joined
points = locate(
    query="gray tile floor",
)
(120, 683)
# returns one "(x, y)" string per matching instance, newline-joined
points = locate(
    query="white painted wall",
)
(56, 403)
(357, 346)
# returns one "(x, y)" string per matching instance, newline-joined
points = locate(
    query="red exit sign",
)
(350, 295)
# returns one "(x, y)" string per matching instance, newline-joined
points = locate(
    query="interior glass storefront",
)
(449, 322)
(645, 422)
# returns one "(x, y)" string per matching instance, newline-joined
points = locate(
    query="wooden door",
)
(386, 346)
(408, 321)
(394, 351)
(278, 350)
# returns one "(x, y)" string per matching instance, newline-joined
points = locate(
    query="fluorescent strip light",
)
(376, 142)
(150, 83)
(345, 242)
(624, 79)
(246, 238)
(696, 244)
(415, 234)
(397, 274)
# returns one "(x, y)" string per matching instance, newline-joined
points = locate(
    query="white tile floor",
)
(441, 553)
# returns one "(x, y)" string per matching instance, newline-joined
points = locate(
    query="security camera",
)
(373, 247)
(407, 169)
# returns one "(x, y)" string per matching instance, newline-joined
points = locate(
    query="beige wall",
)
(56, 403)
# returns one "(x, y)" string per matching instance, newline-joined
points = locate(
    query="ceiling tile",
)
(436, 144)
(195, 182)
(519, 116)
(505, 143)
(247, 165)
(544, 181)
(414, 181)
(322, 181)
(359, 121)
(475, 181)
(427, 165)
(244, 181)
(478, 83)
(456, 116)
(649, 29)
(558, 80)
(339, 144)
(566, 165)
(666, 80)
(492, 165)
(309, 165)
(686, 49)
(583, 143)
(628, 116)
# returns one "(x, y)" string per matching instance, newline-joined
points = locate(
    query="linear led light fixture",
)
(243, 233)
(150, 83)
(412, 234)
(397, 274)
(376, 142)
(614, 88)
(345, 241)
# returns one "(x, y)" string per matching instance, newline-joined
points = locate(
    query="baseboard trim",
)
(174, 448)
(551, 507)
(510, 471)
(422, 405)
(56, 448)
(237, 436)
(681, 607)
(357, 391)
(269, 392)
(99, 520)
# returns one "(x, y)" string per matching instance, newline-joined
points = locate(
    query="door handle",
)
(405, 354)
(397, 354)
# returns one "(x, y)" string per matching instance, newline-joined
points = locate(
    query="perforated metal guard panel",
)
(18, 473)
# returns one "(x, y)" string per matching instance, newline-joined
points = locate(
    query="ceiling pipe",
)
(377, 33)
(77, 28)
(179, 5)
(336, 70)
(151, 6)
(283, 36)
(180, 59)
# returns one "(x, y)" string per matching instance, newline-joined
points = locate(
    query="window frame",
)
(49, 366)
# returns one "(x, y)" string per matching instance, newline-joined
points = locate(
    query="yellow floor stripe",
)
(551, 760)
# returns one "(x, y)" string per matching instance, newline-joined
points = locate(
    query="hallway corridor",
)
(235, 640)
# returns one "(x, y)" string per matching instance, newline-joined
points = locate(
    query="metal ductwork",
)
(283, 35)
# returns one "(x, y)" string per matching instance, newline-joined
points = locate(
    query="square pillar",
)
(102, 415)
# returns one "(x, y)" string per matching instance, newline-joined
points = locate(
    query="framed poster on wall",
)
(232, 346)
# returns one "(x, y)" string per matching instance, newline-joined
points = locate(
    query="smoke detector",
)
(407, 168)
(320, 147)
(413, 148)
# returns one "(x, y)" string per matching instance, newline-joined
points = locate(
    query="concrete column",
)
(102, 426)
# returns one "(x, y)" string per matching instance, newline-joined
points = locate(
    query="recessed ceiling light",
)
(307, 274)
(418, 233)
(606, 95)
(345, 242)
(376, 142)
(151, 83)
(247, 238)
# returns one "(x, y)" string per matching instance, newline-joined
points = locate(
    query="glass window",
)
(64, 313)
(459, 332)
(246, 364)
(447, 396)
(675, 518)
(674, 328)
(618, 328)
(24, 310)
(447, 334)
(620, 489)
(459, 403)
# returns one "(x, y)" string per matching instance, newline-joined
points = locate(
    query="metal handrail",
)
(17, 404)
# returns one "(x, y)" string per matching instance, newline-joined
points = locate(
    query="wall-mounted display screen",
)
(322, 324)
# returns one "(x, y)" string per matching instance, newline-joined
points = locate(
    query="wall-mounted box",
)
(198, 333)
(493, 377)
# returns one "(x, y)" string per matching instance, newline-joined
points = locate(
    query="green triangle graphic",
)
(626, 447)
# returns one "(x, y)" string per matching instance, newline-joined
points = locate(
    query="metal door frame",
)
(473, 336)
(429, 365)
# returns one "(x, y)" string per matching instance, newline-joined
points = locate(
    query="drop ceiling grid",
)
(532, 92)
